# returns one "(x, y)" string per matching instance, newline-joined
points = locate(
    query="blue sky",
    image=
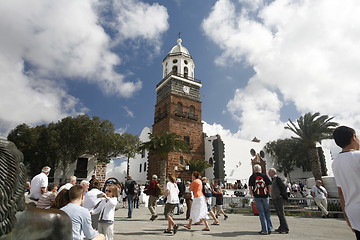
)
(260, 62)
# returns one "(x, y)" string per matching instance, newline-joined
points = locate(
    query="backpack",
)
(260, 187)
(159, 191)
(206, 190)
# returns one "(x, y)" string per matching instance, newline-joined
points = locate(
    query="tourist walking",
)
(278, 195)
(198, 208)
(320, 195)
(346, 168)
(219, 200)
(260, 187)
(106, 211)
(153, 197)
(172, 199)
(207, 190)
(181, 187)
(39, 184)
(188, 197)
(130, 191)
(80, 216)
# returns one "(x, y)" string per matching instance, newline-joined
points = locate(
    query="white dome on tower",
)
(179, 48)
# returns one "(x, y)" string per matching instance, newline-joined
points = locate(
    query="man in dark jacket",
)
(153, 197)
(130, 186)
(278, 194)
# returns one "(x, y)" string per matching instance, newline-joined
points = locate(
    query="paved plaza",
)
(238, 226)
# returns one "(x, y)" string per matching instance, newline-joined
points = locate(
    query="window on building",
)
(143, 153)
(181, 160)
(81, 168)
(211, 161)
(179, 108)
(187, 140)
(174, 69)
(145, 167)
(186, 72)
(192, 110)
(140, 167)
(165, 72)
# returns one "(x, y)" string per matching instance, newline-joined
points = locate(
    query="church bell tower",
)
(178, 110)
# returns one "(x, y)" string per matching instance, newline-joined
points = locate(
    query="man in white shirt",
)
(320, 195)
(346, 168)
(91, 199)
(39, 184)
(71, 181)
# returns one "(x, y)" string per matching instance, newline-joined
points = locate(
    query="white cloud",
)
(46, 45)
(129, 113)
(133, 19)
(305, 52)
(214, 129)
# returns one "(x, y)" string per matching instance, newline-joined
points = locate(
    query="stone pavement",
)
(238, 226)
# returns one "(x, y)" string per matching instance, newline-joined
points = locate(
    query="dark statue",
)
(17, 219)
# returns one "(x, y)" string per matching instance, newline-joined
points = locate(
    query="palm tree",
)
(162, 144)
(198, 165)
(312, 129)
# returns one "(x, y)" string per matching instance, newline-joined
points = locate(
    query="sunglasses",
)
(107, 190)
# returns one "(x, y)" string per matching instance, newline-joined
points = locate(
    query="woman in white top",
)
(172, 199)
(106, 209)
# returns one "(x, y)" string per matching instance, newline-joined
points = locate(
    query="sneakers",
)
(226, 217)
(263, 233)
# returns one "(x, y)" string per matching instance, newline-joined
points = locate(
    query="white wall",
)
(90, 170)
(140, 176)
(238, 159)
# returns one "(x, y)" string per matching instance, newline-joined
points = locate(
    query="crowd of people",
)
(92, 210)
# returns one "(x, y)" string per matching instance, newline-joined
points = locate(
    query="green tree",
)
(162, 144)
(288, 153)
(130, 147)
(104, 143)
(74, 138)
(198, 165)
(311, 129)
(25, 138)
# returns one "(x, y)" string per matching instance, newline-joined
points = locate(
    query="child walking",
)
(106, 209)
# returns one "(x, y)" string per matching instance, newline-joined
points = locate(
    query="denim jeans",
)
(262, 204)
(130, 204)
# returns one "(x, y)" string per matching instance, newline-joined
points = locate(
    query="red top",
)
(151, 188)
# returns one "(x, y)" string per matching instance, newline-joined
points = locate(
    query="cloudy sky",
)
(260, 62)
